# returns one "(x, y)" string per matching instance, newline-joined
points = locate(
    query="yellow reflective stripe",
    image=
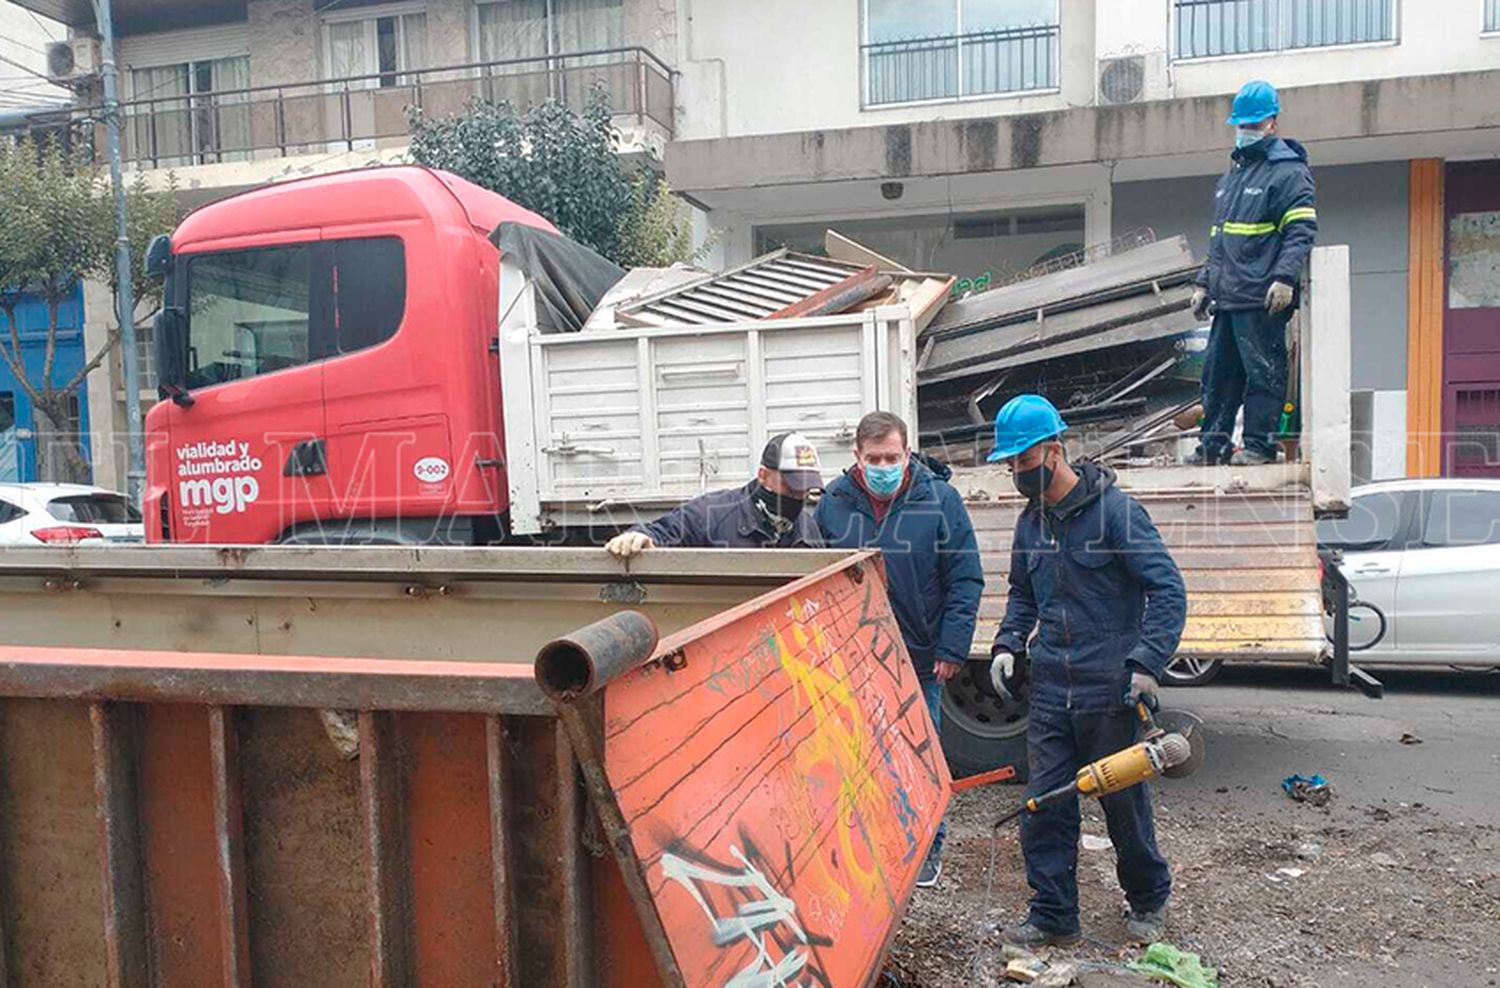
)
(1297, 213)
(1213, 231)
(1249, 229)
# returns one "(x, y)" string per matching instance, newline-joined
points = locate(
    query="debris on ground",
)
(1025, 970)
(1312, 789)
(1092, 842)
(1178, 967)
(1410, 738)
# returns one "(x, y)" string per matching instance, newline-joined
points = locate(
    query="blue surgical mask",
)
(1245, 138)
(884, 481)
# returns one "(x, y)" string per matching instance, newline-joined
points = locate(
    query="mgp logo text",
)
(221, 476)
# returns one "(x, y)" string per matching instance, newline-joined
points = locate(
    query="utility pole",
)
(125, 296)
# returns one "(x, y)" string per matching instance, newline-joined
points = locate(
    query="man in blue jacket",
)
(1264, 225)
(901, 503)
(1089, 573)
(764, 514)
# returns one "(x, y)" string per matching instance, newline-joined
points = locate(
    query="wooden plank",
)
(382, 801)
(125, 949)
(783, 761)
(498, 773)
(229, 846)
(1424, 319)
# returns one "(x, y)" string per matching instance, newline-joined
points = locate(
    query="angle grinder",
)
(1172, 747)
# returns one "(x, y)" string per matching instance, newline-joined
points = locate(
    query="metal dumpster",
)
(173, 811)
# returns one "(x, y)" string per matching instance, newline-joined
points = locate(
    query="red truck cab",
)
(337, 375)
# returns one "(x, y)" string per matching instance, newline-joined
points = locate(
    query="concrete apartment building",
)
(974, 136)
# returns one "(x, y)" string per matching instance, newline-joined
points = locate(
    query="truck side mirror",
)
(170, 337)
(158, 256)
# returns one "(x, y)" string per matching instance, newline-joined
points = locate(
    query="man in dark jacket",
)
(765, 513)
(1089, 572)
(901, 503)
(1264, 225)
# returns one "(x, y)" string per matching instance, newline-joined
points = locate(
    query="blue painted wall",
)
(18, 455)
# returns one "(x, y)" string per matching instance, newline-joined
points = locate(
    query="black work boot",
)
(1202, 458)
(1145, 926)
(1028, 934)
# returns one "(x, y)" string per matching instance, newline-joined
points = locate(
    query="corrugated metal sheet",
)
(1249, 560)
(777, 285)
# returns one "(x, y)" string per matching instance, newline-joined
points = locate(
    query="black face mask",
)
(1031, 483)
(781, 509)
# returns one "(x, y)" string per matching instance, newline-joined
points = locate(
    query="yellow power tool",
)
(1173, 751)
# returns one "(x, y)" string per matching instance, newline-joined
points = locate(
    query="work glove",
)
(1278, 297)
(1200, 303)
(1142, 686)
(1002, 670)
(628, 544)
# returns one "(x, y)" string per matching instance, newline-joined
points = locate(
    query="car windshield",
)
(94, 509)
(1371, 523)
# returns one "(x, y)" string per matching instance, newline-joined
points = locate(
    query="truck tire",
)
(981, 730)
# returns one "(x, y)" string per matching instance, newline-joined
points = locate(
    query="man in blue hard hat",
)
(1264, 224)
(1090, 575)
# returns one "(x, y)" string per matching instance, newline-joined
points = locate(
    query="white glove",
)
(1002, 668)
(1200, 303)
(1142, 684)
(1278, 296)
(628, 544)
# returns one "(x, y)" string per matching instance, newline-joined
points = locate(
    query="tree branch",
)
(53, 303)
(15, 358)
(95, 361)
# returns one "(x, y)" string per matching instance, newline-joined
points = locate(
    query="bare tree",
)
(57, 230)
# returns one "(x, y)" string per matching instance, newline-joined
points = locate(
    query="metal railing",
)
(1208, 28)
(983, 63)
(333, 115)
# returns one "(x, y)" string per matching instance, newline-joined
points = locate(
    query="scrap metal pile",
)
(1107, 334)
(1112, 342)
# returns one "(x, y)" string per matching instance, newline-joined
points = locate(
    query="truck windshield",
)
(249, 313)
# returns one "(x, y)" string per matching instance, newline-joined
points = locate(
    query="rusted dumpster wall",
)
(182, 818)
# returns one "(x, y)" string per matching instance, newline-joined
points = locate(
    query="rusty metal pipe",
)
(579, 663)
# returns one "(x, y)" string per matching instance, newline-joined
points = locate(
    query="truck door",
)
(245, 456)
(389, 453)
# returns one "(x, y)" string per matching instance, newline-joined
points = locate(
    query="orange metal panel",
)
(175, 797)
(1424, 322)
(448, 839)
(782, 782)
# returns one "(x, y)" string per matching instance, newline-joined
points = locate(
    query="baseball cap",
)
(793, 455)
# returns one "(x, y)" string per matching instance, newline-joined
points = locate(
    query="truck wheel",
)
(1188, 671)
(981, 730)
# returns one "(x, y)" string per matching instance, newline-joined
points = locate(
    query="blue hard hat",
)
(1024, 421)
(1255, 101)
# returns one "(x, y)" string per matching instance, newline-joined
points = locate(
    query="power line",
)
(24, 68)
(45, 29)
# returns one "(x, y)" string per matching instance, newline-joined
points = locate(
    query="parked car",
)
(1423, 562)
(66, 514)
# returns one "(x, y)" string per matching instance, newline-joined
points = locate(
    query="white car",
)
(1423, 562)
(66, 514)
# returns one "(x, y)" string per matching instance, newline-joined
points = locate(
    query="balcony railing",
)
(335, 115)
(986, 63)
(1208, 28)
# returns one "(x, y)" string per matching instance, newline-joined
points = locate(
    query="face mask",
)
(884, 481)
(1245, 138)
(1031, 483)
(781, 509)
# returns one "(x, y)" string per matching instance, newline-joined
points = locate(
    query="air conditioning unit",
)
(1132, 78)
(74, 60)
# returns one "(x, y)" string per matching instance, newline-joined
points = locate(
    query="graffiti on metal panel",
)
(744, 907)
